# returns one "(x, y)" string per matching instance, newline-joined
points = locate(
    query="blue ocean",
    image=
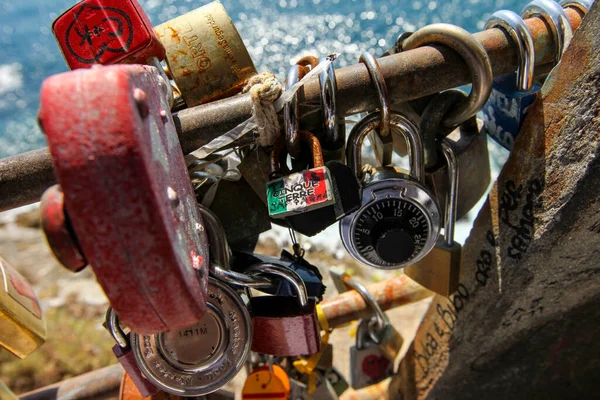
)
(275, 32)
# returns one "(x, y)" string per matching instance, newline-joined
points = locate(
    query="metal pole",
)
(350, 306)
(410, 75)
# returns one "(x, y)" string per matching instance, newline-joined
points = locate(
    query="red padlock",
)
(127, 194)
(106, 32)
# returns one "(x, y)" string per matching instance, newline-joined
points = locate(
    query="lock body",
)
(264, 383)
(127, 193)
(368, 363)
(201, 358)
(281, 327)
(106, 32)
(439, 271)
(201, 45)
(22, 325)
(127, 360)
(506, 109)
(397, 223)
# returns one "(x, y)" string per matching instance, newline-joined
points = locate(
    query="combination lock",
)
(398, 222)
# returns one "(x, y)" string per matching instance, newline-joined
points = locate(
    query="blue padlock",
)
(514, 93)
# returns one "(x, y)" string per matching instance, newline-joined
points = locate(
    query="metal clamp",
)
(516, 27)
(556, 18)
(474, 55)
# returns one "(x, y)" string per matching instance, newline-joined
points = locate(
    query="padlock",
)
(106, 32)
(283, 325)
(314, 199)
(267, 382)
(380, 329)
(205, 54)
(399, 219)
(22, 325)
(324, 389)
(336, 379)
(469, 140)
(200, 358)
(439, 271)
(368, 363)
(122, 350)
(513, 93)
(127, 194)
(310, 274)
(301, 192)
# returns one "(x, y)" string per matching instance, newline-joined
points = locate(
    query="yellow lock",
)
(205, 54)
(22, 326)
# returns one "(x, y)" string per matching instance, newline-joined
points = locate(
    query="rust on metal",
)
(59, 232)
(127, 193)
(350, 306)
(409, 75)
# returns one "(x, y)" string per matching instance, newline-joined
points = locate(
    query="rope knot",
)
(264, 89)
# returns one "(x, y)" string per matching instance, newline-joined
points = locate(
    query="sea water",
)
(275, 32)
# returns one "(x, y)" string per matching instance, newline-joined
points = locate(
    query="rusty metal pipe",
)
(350, 306)
(408, 75)
(102, 383)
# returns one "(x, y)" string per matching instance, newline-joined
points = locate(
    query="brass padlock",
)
(205, 54)
(22, 325)
(439, 271)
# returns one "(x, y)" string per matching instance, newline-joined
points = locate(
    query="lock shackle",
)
(220, 253)
(113, 325)
(334, 130)
(280, 153)
(238, 279)
(372, 122)
(382, 93)
(291, 120)
(291, 110)
(511, 23)
(287, 274)
(474, 56)
(431, 127)
(452, 197)
(582, 5)
(556, 18)
(381, 317)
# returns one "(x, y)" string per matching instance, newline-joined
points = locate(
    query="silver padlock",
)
(368, 363)
(198, 360)
(439, 271)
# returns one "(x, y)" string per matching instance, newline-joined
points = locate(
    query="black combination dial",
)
(390, 231)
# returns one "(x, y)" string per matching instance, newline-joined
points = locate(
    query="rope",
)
(264, 89)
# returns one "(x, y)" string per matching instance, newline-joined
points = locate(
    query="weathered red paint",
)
(106, 32)
(58, 231)
(126, 190)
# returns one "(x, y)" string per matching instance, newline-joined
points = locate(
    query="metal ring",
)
(220, 254)
(452, 197)
(370, 301)
(519, 32)
(582, 5)
(333, 136)
(474, 55)
(113, 325)
(239, 279)
(291, 276)
(291, 111)
(556, 18)
(382, 92)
